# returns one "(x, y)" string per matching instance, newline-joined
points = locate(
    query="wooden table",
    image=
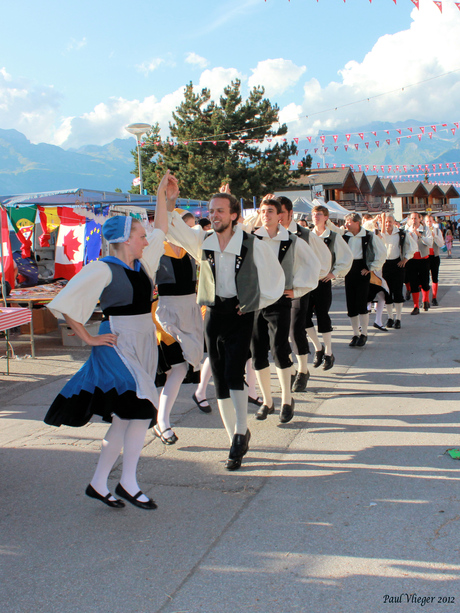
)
(10, 317)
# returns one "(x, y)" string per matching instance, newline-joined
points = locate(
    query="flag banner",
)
(70, 244)
(7, 263)
(23, 221)
(49, 221)
(93, 241)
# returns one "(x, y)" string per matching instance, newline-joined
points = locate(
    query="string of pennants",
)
(416, 3)
(366, 137)
(410, 169)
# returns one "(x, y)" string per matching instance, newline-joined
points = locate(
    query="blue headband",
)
(117, 229)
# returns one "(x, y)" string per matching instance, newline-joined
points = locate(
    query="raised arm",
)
(168, 192)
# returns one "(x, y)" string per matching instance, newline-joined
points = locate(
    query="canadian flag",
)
(7, 259)
(70, 246)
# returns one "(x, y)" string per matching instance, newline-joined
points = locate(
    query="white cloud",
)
(430, 47)
(76, 45)
(196, 60)
(276, 76)
(147, 67)
(28, 107)
(218, 78)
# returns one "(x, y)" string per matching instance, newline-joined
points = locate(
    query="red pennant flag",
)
(377, 142)
(374, 133)
(438, 4)
(315, 150)
(410, 129)
(334, 165)
(398, 131)
(346, 147)
(348, 137)
(416, 2)
(397, 168)
(374, 167)
(296, 140)
(398, 140)
(343, 166)
(419, 136)
(430, 134)
(361, 135)
(306, 150)
(359, 167)
(309, 139)
(457, 4)
(335, 137)
(352, 167)
(387, 131)
(367, 167)
(327, 165)
(387, 141)
(229, 142)
(318, 164)
(292, 162)
(389, 168)
(322, 139)
(422, 129)
(214, 142)
(434, 128)
(325, 149)
(452, 130)
(356, 146)
(456, 124)
(336, 147)
(405, 168)
(382, 167)
(367, 145)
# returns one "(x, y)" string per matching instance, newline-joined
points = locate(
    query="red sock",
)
(434, 287)
(425, 295)
(408, 287)
(416, 299)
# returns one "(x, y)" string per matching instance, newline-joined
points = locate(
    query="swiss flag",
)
(8, 262)
(70, 244)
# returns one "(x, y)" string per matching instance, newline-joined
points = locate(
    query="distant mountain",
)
(25, 167)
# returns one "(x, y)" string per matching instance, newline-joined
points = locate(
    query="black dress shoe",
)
(300, 383)
(397, 324)
(328, 362)
(426, 306)
(390, 323)
(380, 327)
(416, 311)
(203, 405)
(362, 340)
(264, 411)
(354, 341)
(287, 412)
(434, 302)
(239, 448)
(319, 355)
(115, 504)
(150, 504)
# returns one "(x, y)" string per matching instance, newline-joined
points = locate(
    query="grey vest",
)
(246, 277)
(329, 241)
(286, 258)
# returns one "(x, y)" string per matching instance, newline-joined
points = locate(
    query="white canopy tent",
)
(303, 206)
(334, 208)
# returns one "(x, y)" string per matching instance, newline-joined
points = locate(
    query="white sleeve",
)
(153, 252)
(380, 252)
(179, 233)
(270, 274)
(306, 270)
(438, 239)
(427, 238)
(335, 228)
(322, 253)
(343, 258)
(79, 297)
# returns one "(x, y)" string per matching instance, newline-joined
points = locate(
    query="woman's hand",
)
(106, 340)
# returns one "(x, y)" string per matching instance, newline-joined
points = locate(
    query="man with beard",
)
(239, 275)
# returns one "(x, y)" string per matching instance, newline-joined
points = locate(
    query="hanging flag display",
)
(93, 241)
(70, 244)
(49, 221)
(23, 221)
(7, 259)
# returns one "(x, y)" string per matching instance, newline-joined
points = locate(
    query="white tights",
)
(129, 435)
(168, 396)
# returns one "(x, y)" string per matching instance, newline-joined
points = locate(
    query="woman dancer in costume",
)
(118, 380)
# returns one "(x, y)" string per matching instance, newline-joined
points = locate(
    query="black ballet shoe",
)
(203, 405)
(166, 440)
(115, 504)
(150, 504)
(257, 401)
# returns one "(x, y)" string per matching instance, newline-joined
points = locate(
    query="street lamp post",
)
(137, 129)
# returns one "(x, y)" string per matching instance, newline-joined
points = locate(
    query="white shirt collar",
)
(282, 234)
(233, 247)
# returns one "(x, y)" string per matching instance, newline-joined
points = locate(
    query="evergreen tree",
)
(229, 142)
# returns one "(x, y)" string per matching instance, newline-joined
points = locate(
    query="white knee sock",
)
(240, 402)
(398, 309)
(302, 361)
(265, 384)
(314, 338)
(168, 396)
(284, 376)
(327, 338)
(364, 323)
(111, 447)
(205, 376)
(251, 379)
(379, 308)
(390, 311)
(355, 325)
(132, 448)
(227, 412)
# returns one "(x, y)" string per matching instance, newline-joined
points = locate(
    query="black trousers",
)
(271, 333)
(418, 275)
(434, 263)
(357, 289)
(299, 323)
(320, 303)
(394, 276)
(228, 337)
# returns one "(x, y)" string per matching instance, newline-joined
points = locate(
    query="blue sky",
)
(75, 73)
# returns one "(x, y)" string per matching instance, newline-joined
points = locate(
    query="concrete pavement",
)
(352, 507)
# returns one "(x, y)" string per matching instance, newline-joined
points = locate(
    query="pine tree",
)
(226, 142)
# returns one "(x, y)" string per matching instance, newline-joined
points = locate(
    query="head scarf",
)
(117, 229)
